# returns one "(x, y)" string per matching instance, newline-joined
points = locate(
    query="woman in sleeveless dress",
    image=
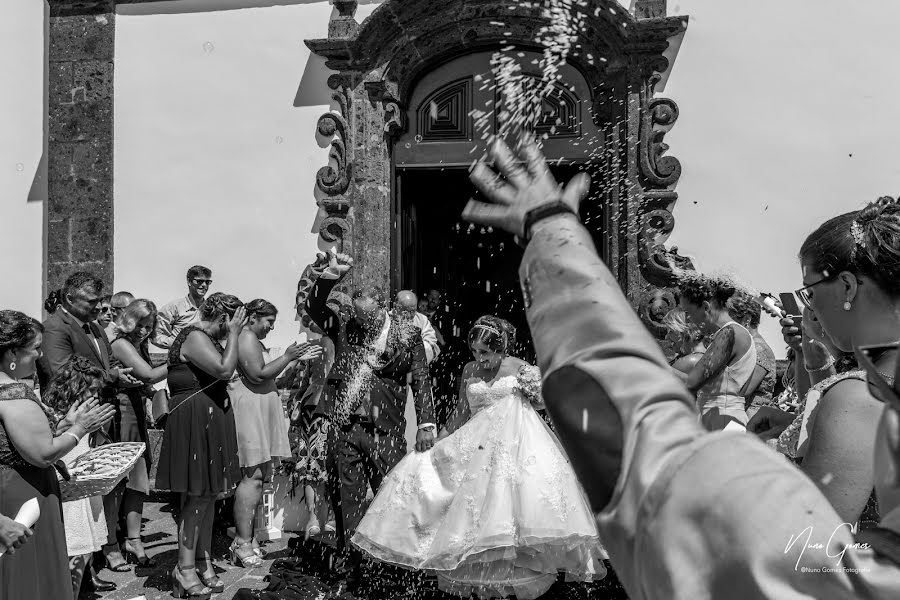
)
(132, 329)
(262, 430)
(494, 508)
(832, 444)
(730, 358)
(199, 457)
(29, 446)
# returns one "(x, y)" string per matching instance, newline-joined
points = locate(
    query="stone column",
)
(80, 125)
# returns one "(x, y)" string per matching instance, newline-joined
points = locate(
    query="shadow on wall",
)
(181, 7)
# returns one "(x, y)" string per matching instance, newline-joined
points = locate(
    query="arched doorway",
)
(452, 110)
(408, 51)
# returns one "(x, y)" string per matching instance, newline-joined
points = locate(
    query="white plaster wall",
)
(215, 147)
(22, 168)
(788, 117)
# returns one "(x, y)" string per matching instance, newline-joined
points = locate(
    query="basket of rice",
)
(98, 471)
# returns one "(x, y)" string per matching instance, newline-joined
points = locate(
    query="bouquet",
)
(529, 380)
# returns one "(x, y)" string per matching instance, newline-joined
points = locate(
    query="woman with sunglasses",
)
(851, 277)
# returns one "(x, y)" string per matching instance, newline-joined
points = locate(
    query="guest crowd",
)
(639, 471)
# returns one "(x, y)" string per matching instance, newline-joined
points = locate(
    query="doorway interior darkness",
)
(475, 269)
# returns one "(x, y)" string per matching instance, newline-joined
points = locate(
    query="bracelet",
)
(542, 212)
(824, 367)
(73, 436)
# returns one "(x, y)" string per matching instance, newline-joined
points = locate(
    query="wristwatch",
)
(542, 212)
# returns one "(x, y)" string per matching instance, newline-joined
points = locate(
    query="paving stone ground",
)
(160, 542)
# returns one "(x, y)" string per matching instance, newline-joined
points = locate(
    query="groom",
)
(367, 391)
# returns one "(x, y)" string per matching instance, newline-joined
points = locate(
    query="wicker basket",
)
(98, 471)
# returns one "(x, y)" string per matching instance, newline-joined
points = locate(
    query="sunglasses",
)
(199, 282)
(105, 309)
(867, 355)
(805, 293)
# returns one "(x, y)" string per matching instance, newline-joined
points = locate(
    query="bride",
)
(494, 507)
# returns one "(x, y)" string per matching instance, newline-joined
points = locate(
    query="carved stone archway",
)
(621, 56)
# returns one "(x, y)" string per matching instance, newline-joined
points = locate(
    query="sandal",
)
(121, 567)
(212, 582)
(184, 588)
(247, 559)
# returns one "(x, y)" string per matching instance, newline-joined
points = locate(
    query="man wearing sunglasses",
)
(178, 314)
(683, 513)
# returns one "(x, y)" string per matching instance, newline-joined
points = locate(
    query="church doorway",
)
(474, 268)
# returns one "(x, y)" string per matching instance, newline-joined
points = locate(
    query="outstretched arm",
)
(663, 488)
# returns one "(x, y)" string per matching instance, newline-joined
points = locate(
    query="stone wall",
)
(80, 125)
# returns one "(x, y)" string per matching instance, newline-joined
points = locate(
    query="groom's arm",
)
(421, 384)
(318, 310)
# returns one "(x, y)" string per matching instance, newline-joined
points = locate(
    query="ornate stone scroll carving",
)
(659, 115)
(334, 181)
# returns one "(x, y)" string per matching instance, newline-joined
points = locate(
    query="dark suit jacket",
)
(404, 354)
(63, 338)
(671, 498)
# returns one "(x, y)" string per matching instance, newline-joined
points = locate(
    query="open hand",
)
(525, 188)
(238, 320)
(91, 415)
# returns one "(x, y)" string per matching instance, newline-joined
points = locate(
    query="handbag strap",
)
(200, 391)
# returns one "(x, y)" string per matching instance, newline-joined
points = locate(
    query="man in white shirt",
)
(406, 307)
(180, 313)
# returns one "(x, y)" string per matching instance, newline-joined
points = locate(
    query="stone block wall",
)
(80, 126)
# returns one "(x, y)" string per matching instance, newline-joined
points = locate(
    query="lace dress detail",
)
(9, 456)
(789, 441)
(494, 509)
(39, 569)
(175, 348)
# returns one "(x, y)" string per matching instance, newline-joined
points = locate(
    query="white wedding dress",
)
(494, 509)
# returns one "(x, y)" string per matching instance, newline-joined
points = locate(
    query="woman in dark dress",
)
(132, 330)
(199, 456)
(28, 448)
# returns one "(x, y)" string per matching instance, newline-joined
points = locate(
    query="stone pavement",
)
(160, 542)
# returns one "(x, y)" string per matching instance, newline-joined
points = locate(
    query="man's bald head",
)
(407, 300)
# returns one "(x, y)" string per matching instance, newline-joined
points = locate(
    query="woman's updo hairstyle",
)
(497, 334)
(745, 310)
(865, 242)
(219, 304)
(699, 288)
(261, 308)
(17, 330)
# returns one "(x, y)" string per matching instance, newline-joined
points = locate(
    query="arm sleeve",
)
(318, 310)
(165, 336)
(671, 498)
(421, 384)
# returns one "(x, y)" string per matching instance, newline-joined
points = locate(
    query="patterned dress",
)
(40, 568)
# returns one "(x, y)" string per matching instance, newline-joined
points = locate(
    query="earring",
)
(12, 366)
(847, 305)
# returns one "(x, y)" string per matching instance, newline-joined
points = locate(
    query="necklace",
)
(889, 379)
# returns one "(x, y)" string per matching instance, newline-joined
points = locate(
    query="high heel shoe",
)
(213, 583)
(249, 559)
(131, 557)
(95, 584)
(312, 528)
(122, 567)
(197, 591)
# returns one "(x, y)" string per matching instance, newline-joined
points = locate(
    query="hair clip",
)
(82, 365)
